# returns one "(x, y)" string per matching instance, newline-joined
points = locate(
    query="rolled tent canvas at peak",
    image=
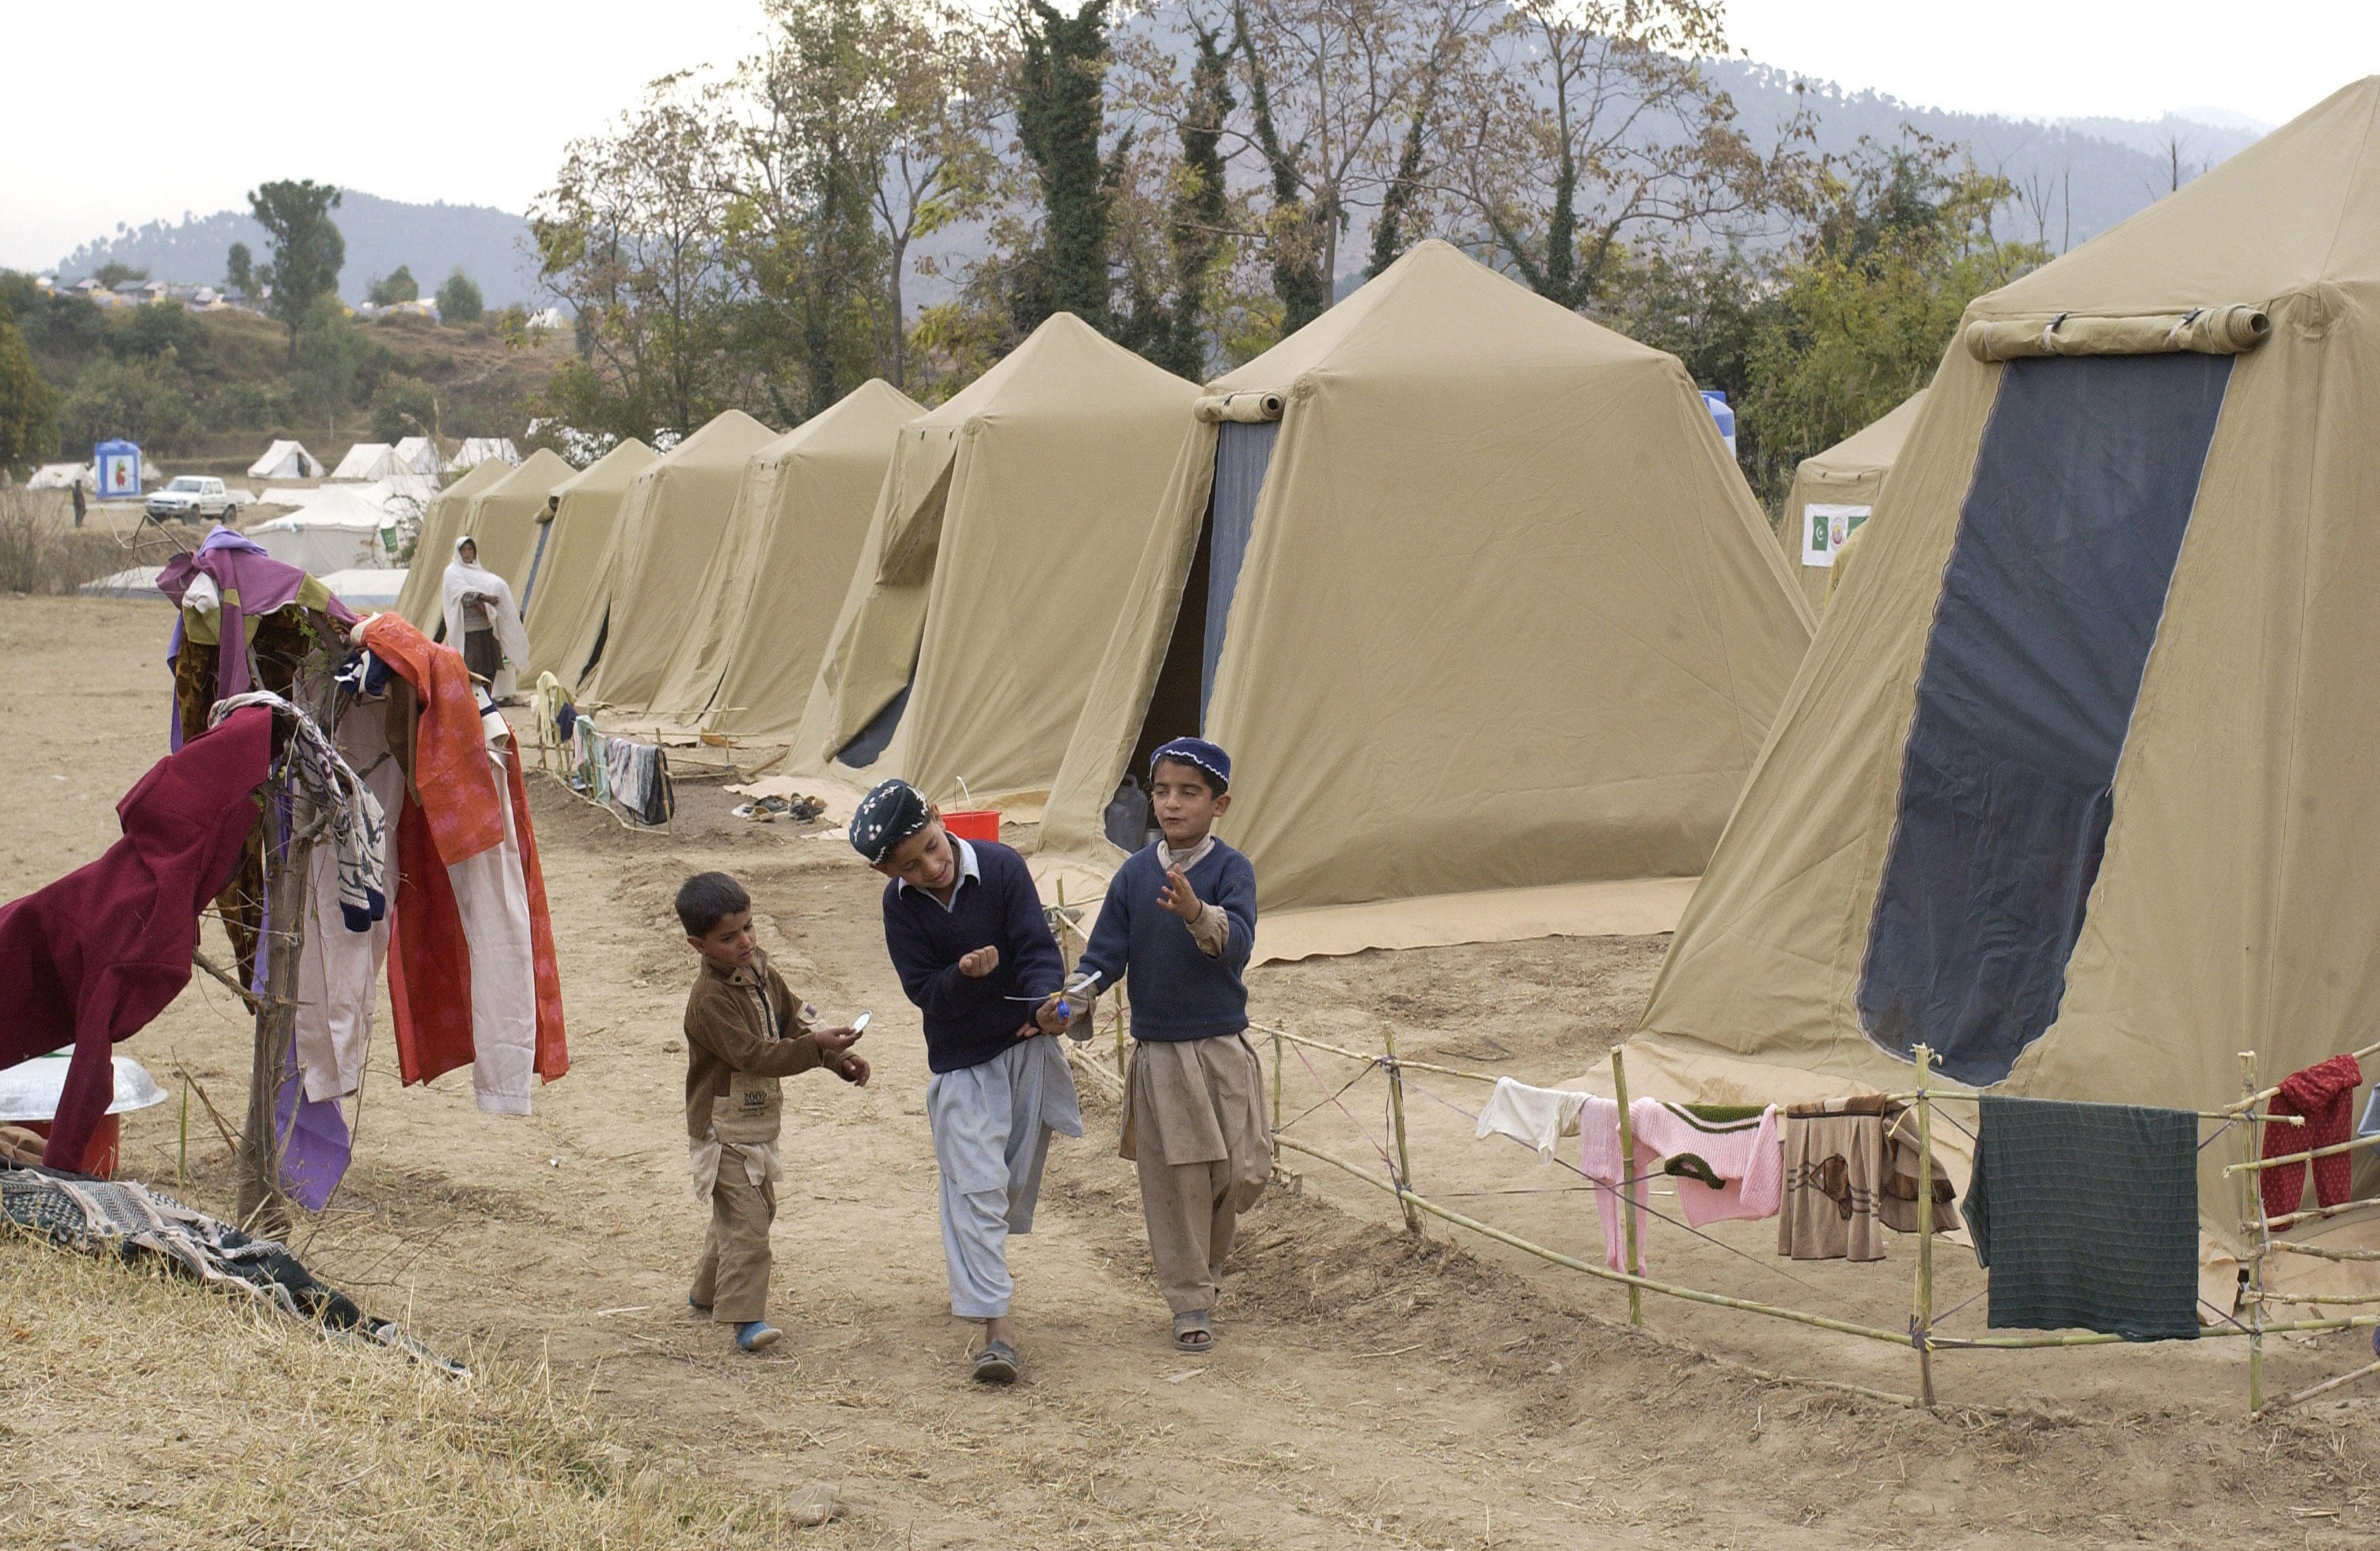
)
(1487, 620)
(566, 555)
(767, 601)
(670, 521)
(1834, 493)
(996, 564)
(422, 600)
(2073, 787)
(502, 520)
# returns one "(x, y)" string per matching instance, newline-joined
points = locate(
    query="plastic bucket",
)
(99, 1154)
(979, 823)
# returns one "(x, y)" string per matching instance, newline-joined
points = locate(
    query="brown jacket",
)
(743, 1030)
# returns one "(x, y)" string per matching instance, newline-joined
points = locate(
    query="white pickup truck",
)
(195, 497)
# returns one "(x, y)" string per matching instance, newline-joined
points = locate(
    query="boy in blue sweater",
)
(1178, 924)
(966, 936)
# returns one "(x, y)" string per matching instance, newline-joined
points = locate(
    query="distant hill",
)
(490, 245)
(2074, 179)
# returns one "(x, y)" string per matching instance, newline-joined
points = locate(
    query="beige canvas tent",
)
(661, 544)
(767, 603)
(441, 524)
(2073, 786)
(995, 568)
(1833, 493)
(573, 538)
(502, 519)
(1487, 619)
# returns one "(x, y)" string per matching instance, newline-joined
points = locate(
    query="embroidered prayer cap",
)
(1198, 752)
(886, 817)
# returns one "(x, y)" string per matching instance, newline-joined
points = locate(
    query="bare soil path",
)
(1370, 1389)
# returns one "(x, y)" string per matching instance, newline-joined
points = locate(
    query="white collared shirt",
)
(968, 868)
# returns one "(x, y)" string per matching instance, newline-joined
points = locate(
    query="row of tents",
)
(2068, 788)
(413, 456)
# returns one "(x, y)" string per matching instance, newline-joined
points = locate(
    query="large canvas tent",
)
(285, 460)
(567, 557)
(994, 569)
(441, 524)
(767, 601)
(1472, 593)
(340, 529)
(660, 545)
(1833, 493)
(2072, 786)
(502, 519)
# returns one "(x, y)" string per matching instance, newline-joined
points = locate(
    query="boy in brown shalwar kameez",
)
(743, 1031)
(1180, 920)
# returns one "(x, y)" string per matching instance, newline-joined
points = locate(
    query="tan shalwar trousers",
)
(1193, 1126)
(731, 1279)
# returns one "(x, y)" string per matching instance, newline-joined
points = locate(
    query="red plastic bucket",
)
(99, 1154)
(980, 823)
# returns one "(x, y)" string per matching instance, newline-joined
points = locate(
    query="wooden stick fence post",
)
(1397, 1110)
(1921, 1323)
(2252, 1223)
(1634, 1262)
(1276, 1080)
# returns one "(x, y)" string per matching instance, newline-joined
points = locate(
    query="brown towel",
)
(1834, 1158)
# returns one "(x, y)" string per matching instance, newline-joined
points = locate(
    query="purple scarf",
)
(252, 583)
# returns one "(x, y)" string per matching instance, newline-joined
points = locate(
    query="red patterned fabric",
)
(93, 957)
(2323, 1094)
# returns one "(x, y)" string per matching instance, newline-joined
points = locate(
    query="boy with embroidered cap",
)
(744, 1031)
(1178, 924)
(966, 933)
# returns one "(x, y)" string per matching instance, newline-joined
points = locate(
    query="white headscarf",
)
(469, 575)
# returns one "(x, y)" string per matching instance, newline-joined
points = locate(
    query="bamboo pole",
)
(1358, 1055)
(2258, 1164)
(1634, 1261)
(1797, 1316)
(1921, 1321)
(2320, 1252)
(1397, 1110)
(2330, 1384)
(2260, 1234)
(1276, 1080)
(2316, 1214)
(2262, 1095)
(258, 1202)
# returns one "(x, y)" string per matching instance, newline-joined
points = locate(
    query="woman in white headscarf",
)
(481, 621)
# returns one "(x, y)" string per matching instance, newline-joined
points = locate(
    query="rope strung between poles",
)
(1343, 1108)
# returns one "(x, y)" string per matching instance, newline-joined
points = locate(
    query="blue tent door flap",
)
(2081, 493)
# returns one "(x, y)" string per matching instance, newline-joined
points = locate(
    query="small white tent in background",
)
(367, 589)
(477, 449)
(338, 529)
(418, 454)
(366, 460)
(62, 476)
(287, 460)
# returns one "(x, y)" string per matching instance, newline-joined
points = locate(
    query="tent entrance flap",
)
(1242, 453)
(869, 741)
(1175, 703)
(2066, 541)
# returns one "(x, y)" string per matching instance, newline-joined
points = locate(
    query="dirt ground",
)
(1370, 1387)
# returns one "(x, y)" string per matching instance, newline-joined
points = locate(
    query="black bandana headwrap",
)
(885, 817)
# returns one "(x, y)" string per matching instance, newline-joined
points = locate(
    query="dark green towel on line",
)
(2086, 1215)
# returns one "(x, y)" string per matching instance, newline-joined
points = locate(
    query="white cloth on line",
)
(1536, 1118)
(338, 970)
(992, 1125)
(492, 897)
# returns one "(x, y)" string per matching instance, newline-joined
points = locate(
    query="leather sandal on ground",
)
(1194, 1332)
(996, 1364)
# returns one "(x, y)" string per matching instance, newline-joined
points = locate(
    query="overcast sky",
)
(139, 110)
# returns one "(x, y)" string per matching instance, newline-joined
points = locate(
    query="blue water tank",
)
(1721, 415)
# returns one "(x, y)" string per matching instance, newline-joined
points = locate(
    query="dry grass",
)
(141, 1410)
(42, 555)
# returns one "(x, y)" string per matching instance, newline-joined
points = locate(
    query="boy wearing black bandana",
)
(966, 933)
(1179, 923)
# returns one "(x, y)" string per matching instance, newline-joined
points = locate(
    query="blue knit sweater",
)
(1177, 992)
(970, 1021)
